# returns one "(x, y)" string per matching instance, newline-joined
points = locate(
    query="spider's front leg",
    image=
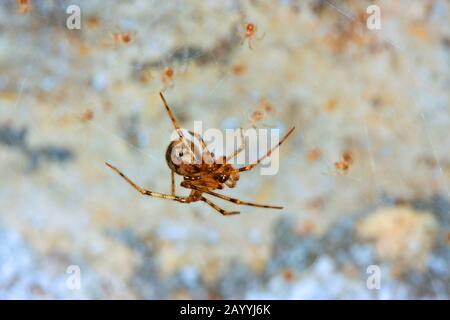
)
(251, 166)
(239, 150)
(148, 192)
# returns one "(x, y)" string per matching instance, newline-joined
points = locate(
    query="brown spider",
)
(204, 177)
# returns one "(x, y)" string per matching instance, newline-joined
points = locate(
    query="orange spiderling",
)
(250, 30)
(87, 115)
(168, 72)
(93, 22)
(239, 69)
(341, 166)
(121, 37)
(347, 157)
(257, 115)
(263, 110)
(167, 75)
(288, 275)
(314, 155)
(124, 37)
(24, 6)
(331, 105)
(344, 165)
(266, 106)
(250, 33)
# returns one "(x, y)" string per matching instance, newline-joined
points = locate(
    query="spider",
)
(119, 38)
(24, 6)
(167, 76)
(93, 22)
(344, 165)
(260, 113)
(204, 177)
(87, 116)
(124, 37)
(250, 34)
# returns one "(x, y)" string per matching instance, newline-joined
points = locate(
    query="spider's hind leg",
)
(237, 201)
(219, 209)
(226, 198)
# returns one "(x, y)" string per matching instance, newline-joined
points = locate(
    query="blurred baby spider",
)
(121, 37)
(167, 76)
(87, 116)
(267, 107)
(314, 155)
(342, 168)
(118, 38)
(250, 34)
(263, 110)
(24, 6)
(239, 69)
(344, 165)
(93, 22)
(201, 177)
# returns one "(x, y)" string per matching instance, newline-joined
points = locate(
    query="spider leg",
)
(172, 189)
(177, 126)
(251, 166)
(215, 206)
(262, 37)
(236, 201)
(200, 138)
(171, 116)
(148, 192)
(239, 150)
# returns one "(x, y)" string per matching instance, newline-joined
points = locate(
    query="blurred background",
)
(364, 179)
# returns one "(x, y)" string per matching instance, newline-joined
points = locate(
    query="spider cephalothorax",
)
(202, 173)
